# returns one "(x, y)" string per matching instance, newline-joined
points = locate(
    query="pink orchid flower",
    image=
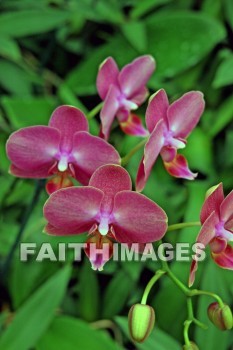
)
(123, 91)
(169, 127)
(64, 148)
(108, 209)
(217, 229)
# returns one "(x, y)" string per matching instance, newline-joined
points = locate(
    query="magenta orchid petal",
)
(39, 173)
(157, 109)
(111, 179)
(218, 245)
(178, 167)
(89, 153)
(137, 218)
(226, 208)
(109, 110)
(207, 233)
(133, 126)
(140, 96)
(68, 120)
(184, 114)
(135, 75)
(192, 274)
(107, 76)
(33, 150)
(225, 258)
(73, 209)
(151, 152)
(212, 203)
(168, 153)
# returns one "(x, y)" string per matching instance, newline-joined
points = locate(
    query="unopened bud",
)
(141, 322)
(220, 316)
(191, 346)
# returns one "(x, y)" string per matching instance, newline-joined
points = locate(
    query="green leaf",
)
(9, 49)
(142, 7)
(89, 293)
(34, 317)
(24, 23)
(71, 334)
(199, 152)
(177, 42)
(14, 79)
(135, 33)
(113, 301)
(224, 74)
(228, 7)
(29, 111)
(222, 117)
(158, 339)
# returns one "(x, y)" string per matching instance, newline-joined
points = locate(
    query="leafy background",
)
(49, 55)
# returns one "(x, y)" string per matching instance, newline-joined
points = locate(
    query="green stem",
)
(183, 225)
(195, 292)
(95, 111)
(150, 284)
(128, 156)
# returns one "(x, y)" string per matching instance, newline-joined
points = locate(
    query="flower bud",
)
(141, 322)
(191, 346)
(221, 317)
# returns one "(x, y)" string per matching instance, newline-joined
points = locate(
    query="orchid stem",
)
(126, 159)
(180, 226)
(95, 111)
(150, 284)
(31, 206)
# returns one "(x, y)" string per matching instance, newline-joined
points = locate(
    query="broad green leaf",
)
(71, 334)
(224, 73)
(116, 294)
(158, 340)
(136, 34)
(34, 317)
(23, 23)
(9, 49)
(143, 7)
(14, 79)
(222, 117)
(199, 152)
(89, 293)
(228, 7)
(177, 42)
(29, 111)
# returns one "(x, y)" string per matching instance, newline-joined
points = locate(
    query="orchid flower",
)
(169, 127)
(108, 209)
(122, 92)
(64, 148)
(217, 229)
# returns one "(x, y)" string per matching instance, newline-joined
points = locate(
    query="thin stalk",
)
(150, 284)
(126, 159)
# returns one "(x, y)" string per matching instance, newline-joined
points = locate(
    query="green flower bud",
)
(221, 317)
(141, 322)
(191, 346)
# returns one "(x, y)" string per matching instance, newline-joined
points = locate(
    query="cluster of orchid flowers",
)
(105, 205)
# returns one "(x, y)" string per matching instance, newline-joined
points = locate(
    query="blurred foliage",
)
(50, 51)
